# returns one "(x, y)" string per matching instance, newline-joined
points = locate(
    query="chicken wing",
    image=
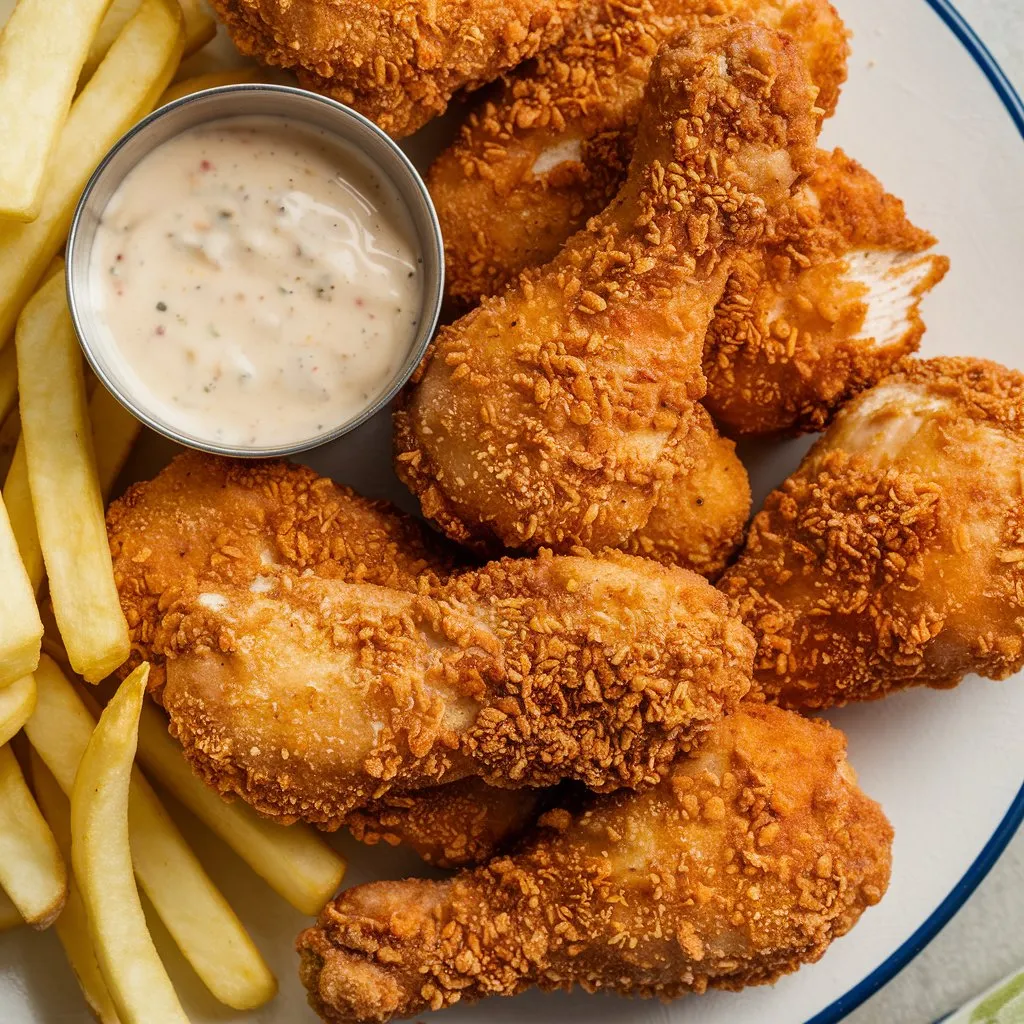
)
(553, 414)
(747, 861)
(552, 149)
(311, 697)
(823, 310)
(398, 63)
(224, 519)
(894, 556)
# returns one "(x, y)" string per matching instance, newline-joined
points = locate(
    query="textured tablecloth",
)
(985, 940)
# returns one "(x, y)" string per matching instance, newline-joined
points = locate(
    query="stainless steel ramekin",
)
(298, 106)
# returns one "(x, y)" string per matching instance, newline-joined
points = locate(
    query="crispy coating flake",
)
(313, 696)
(552, 149)
(553, 414)
(747, 861)
(449, 826)
(399, 62)
(205, 520)
(824, 309)
(894, 556)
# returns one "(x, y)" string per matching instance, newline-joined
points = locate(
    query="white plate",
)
(928, 111)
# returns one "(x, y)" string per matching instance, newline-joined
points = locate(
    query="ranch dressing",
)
(259, 283)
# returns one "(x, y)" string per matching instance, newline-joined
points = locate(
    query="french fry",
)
(17, 498)
(21, 629)
(127, 83)
(39, 69)
(65, 489)
(198, 917)
(32, 871)
(200, 27)
(293, 860)
(102, 858)
(212, 80)
(72, 926)
(17, 702)
(8, 382)
(10, 431)
(9, 915)
(114, 431)
(119, 13)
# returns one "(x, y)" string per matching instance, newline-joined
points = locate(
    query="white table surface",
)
(985, 940)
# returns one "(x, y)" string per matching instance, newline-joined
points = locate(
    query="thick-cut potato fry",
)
(200, 26)
(114, 431)
(72, 926)
(102, 859)
(213, 80)
(39, 69)
(9, 915)
(131, 78)
(8, 382)
(65, 489)
(119, 13)
(17, 499)
(21, 629)
(17, 702)
(294, 861)
(32, 870)
(198, 917)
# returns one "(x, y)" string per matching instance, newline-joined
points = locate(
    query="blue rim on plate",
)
(999, 840)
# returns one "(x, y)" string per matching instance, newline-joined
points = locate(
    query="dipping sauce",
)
(257, 281)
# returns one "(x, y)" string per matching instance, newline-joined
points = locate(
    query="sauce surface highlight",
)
(259, 283)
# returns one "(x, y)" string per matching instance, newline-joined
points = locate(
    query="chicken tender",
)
(532, 164)
(823, 310)
(639, 894)
(311, 697)
(229, 520)
(894, 556)
(398, 63)
(553, 415)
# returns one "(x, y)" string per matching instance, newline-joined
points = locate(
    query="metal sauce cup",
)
(299, 107)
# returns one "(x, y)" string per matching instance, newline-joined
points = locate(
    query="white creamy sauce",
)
(260, 284)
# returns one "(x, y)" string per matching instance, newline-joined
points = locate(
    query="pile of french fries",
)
(80, 825)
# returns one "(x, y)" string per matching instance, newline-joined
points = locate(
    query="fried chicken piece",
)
(449, 826)
(397, 62)
(639, 894)
(208, 518)
(310, 697)
(235, 520)
(700, 517)
(822, 311)
(552, 415)
(894, 556)
(532, 164)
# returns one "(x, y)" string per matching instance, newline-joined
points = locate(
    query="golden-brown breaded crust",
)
(747, 861)
(552, 149)
(700, 518)
(787, 346)
(398, 62)
(894, 556)
(231, 520)
(449, 826)
(553, 414)
(314, 696)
